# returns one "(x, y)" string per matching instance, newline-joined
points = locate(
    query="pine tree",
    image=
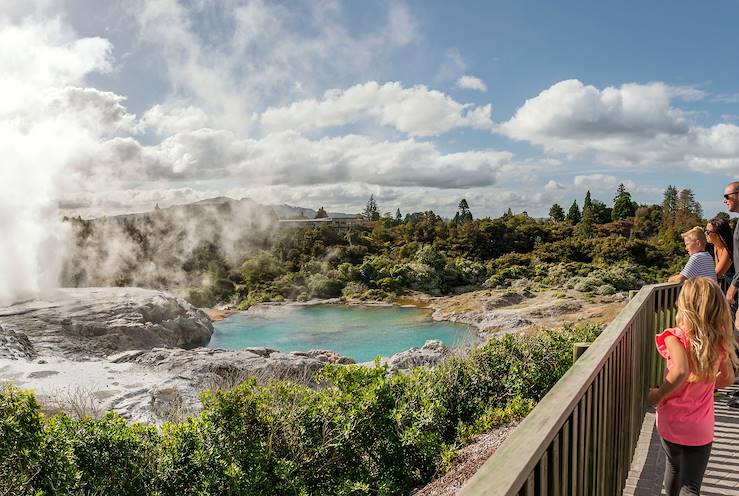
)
(557, 213)
(573, 215)
(669, 206)
(464, 212)
(508, 214)
(623, 206)
(587, 203)
(398, 217)
(370, 211)
(585, 227)
(321, 214)
(601, 213)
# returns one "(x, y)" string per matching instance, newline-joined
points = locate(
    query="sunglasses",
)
(727, 195)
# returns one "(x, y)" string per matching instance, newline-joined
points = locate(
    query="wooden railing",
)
(580, 438)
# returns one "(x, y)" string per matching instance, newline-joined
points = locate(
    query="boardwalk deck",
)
(722, 475)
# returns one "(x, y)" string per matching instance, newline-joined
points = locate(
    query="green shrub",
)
(113, 456)
(362, 431)
(21, 436)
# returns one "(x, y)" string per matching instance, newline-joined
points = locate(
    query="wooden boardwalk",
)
(722, 475)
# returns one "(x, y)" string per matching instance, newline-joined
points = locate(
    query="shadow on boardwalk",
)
(722, 475)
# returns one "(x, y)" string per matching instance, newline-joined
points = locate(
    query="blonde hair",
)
(696, 233)
(704, 313)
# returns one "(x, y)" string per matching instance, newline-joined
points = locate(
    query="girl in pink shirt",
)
(699, 353)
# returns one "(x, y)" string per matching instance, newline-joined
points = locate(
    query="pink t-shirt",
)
(686, 416)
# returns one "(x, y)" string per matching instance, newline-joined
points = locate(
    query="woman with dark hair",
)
(718, 233)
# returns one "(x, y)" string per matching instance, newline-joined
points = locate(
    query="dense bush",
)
(364, 431)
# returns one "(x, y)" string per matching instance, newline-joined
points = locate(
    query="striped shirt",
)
(699, 265)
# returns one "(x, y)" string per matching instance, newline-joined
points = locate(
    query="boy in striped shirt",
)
(700, 263)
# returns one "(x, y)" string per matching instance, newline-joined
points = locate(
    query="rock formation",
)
(87, 323)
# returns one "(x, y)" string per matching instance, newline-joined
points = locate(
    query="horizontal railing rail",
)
(580, 438)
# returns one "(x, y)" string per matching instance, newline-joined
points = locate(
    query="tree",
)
(573, 215)
(669, 205)
(463, 213)
(585, 227)
(680, 211)
(321, 214)
(398, 217)
(623, 206)
(587, 203)
(557, 213)
(689, 210)
(601, 213)
(370, 211)
(508, 214)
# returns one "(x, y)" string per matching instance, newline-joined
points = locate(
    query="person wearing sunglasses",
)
(718, 233)
(731, 200)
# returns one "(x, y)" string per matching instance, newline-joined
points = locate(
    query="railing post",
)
(578, 349)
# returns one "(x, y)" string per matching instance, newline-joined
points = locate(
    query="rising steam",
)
(42, 129)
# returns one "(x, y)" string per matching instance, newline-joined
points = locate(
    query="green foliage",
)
(623, 206)
(112, 456)
(362, 431)
(621, 277)
(420, 252)
(557, 213)
(573, 214)
(371, 211)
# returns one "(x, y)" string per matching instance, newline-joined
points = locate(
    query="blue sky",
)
(508, 104)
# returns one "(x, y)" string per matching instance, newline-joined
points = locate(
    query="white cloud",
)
(471, 83)
(598, 182)
(452, 67)
(291, 159)
(261, 53)
(417, 111)
(116, 201)
(174, 118)
(570, 117)
(632, 125)
(351, 197)
(726, 98)
(606, 183)
(553, 185)
(38, 56)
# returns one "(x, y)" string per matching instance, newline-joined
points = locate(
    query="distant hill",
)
(283, 211)
(286, 211)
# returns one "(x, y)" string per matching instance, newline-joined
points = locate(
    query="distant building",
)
(339, 223)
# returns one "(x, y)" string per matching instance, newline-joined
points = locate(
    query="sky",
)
(115, 106)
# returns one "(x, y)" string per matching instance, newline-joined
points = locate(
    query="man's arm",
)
(677, 278)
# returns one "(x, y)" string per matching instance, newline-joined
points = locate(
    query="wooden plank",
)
(588, 452)
(531, 485)
(544, 474)
(606, 476)
(555, 469)
(575, 465)
(566, 460)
